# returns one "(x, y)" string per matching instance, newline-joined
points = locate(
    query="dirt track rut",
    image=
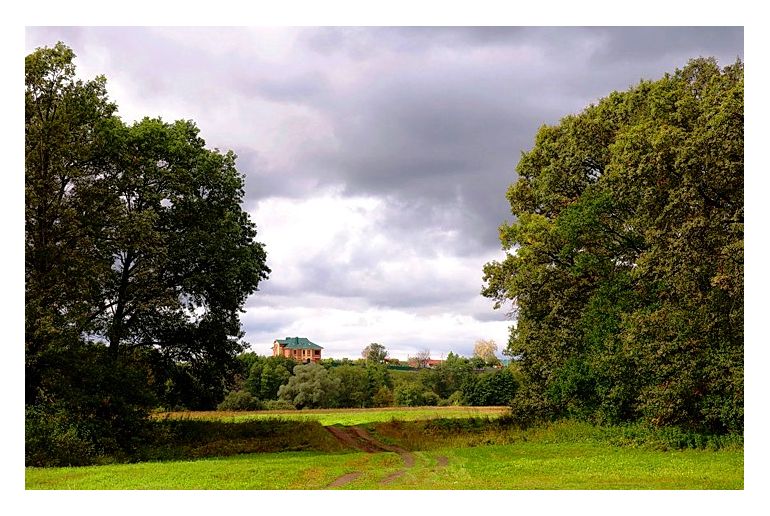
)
(358, 438)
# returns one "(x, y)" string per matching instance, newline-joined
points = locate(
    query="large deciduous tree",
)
(625, 261)
(311, 387)
(137, 248)
(66, 204)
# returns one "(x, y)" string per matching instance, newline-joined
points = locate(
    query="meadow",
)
(471, 453)
(345, 417)
(524, 465)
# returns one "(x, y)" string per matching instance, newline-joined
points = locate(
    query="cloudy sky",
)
(376, 159)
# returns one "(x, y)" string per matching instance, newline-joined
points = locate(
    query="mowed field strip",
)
(347, 417)
(518, 466)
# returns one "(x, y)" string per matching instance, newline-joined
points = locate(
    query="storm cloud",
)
(377, 159)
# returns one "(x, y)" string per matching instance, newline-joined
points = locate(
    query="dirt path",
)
(357, 437)
(345, 479)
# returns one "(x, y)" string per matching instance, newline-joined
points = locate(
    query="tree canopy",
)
(136, 245)
(375, 352)
(625, 261)
(486, 349)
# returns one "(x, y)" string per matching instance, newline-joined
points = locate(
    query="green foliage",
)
(311, 387)
(353, 386)
(490, 389)
(53, 438)
(267, 374)
(375, 353)
(359, 384)
(240, 400)
(625, 261)
(456, 399)
(449, 376)
(383, 398)
(92, 404)
(414, 395)
(134, 239)
(278, 405)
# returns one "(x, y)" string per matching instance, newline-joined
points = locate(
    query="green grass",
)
(287, 470)
(345, 417)
(575, 466)
(481, 453)
(524, 465)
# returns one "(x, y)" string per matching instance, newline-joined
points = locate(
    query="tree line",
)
(279, 383)
(624, 264)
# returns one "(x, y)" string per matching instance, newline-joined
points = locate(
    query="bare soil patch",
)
(357, 437)
(345, 479)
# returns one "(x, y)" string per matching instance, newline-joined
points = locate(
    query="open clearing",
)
(438, 454)
(518, 466)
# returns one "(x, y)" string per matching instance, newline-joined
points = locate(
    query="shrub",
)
(414, 395)
(52, 437)
(240, 400)
(494, 388)
(311, 387)
(430, 398)
(383, 398)
(278, 405)
(456, 398)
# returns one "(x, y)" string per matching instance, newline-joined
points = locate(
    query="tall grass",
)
(181, 439)
(471, 432)
(345, 416)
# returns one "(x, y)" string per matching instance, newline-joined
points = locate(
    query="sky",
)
(376, 158)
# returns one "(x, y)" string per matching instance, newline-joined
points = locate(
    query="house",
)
(298, 348)
(430, 363)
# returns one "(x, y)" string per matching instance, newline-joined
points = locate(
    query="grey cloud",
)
(433, 119)
(635, 44)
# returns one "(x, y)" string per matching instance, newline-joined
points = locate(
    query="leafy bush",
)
(240, 400)
(414, 395)
(53, 438)
(89, 405)
(278, 405)
(494, 388)
(456, 398)
(311, 387)
(430, 398)
(383, 397)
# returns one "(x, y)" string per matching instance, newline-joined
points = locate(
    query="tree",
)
(487, 351)
(135, 244)
(625, 261)
(353, 391)
(311, 387)
(65, 260)
(383, 398)
(449, 376)
(375, 353)
(422, 358)
(414, 395)
(494, 388)
(266, 376)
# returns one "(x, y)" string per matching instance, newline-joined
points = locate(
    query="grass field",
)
(479, 453)
(526, 465)
(345, 417)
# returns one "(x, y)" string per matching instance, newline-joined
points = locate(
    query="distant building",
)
(298, 348)
(431, 363)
